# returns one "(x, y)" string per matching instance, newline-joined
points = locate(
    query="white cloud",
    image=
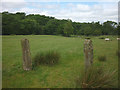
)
(82, 7)
(13, 0)
(88, 13)
(11, 5)
(32, 11)
(45, 5)
(72, 0)
(75, 11)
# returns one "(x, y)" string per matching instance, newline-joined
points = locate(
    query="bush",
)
(87, 38)
(101, 38)
(48, 58)
(102, 58)
(118, 53)
(12, 34)
(96, 77)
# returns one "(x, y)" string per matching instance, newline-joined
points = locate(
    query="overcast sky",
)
(76, 10)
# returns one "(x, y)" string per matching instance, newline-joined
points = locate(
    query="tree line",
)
(21, 24)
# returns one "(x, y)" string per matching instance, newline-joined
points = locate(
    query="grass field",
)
(63, 74)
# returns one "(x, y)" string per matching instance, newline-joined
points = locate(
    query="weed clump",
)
(87, 38)
(118, 53)
(102, 58)
(96, 77)
(48, 58)
(101, 38)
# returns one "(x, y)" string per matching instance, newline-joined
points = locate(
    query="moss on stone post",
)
(88, 52)
(27, 63)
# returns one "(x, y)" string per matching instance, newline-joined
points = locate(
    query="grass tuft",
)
(87, 38)
(102, 58)
(48, 58)
(118, 53)
(96, 78)
(101, 38)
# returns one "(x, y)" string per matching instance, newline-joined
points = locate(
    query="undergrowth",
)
(48, 58)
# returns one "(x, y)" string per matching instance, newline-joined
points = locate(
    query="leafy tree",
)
(60, 29)
(29, 26)
(10, 23)
(51, 27)
(118, 29)
(21, 24)
(87, 31)
(97, 32)
(77, 28)
(68, 29)
(109, 27)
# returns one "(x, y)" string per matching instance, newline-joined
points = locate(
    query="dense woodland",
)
(21, 24)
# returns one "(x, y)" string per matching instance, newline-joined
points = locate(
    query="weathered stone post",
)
(88, 52)
(27, 63)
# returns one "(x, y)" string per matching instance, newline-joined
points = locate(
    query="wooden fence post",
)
(27, 63)
(88, 52)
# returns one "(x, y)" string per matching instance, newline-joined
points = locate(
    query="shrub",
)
(48, 58)
(118, 53)
(96, 78)
(101, 38)
(87, 38)
(12, 34)
(102, 58)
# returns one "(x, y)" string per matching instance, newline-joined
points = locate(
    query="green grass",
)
(63, 74)
(102, 58)
(49, 58)
(96, 77)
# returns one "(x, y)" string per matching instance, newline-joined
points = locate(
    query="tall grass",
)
(102, 58)
(47, 58)
(118, 53)
(96, 77)
(87, 38)
(101, 38)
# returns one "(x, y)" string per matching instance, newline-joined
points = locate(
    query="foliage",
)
(96, 77)
(97, 32)
(22, 24)
(118, 53)
(102, 58)
(109, 28)
(68, 29)
(101, 38)
(29, 26)
(48, 58)
(87, 30)
(51, 27)
(87, 38)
